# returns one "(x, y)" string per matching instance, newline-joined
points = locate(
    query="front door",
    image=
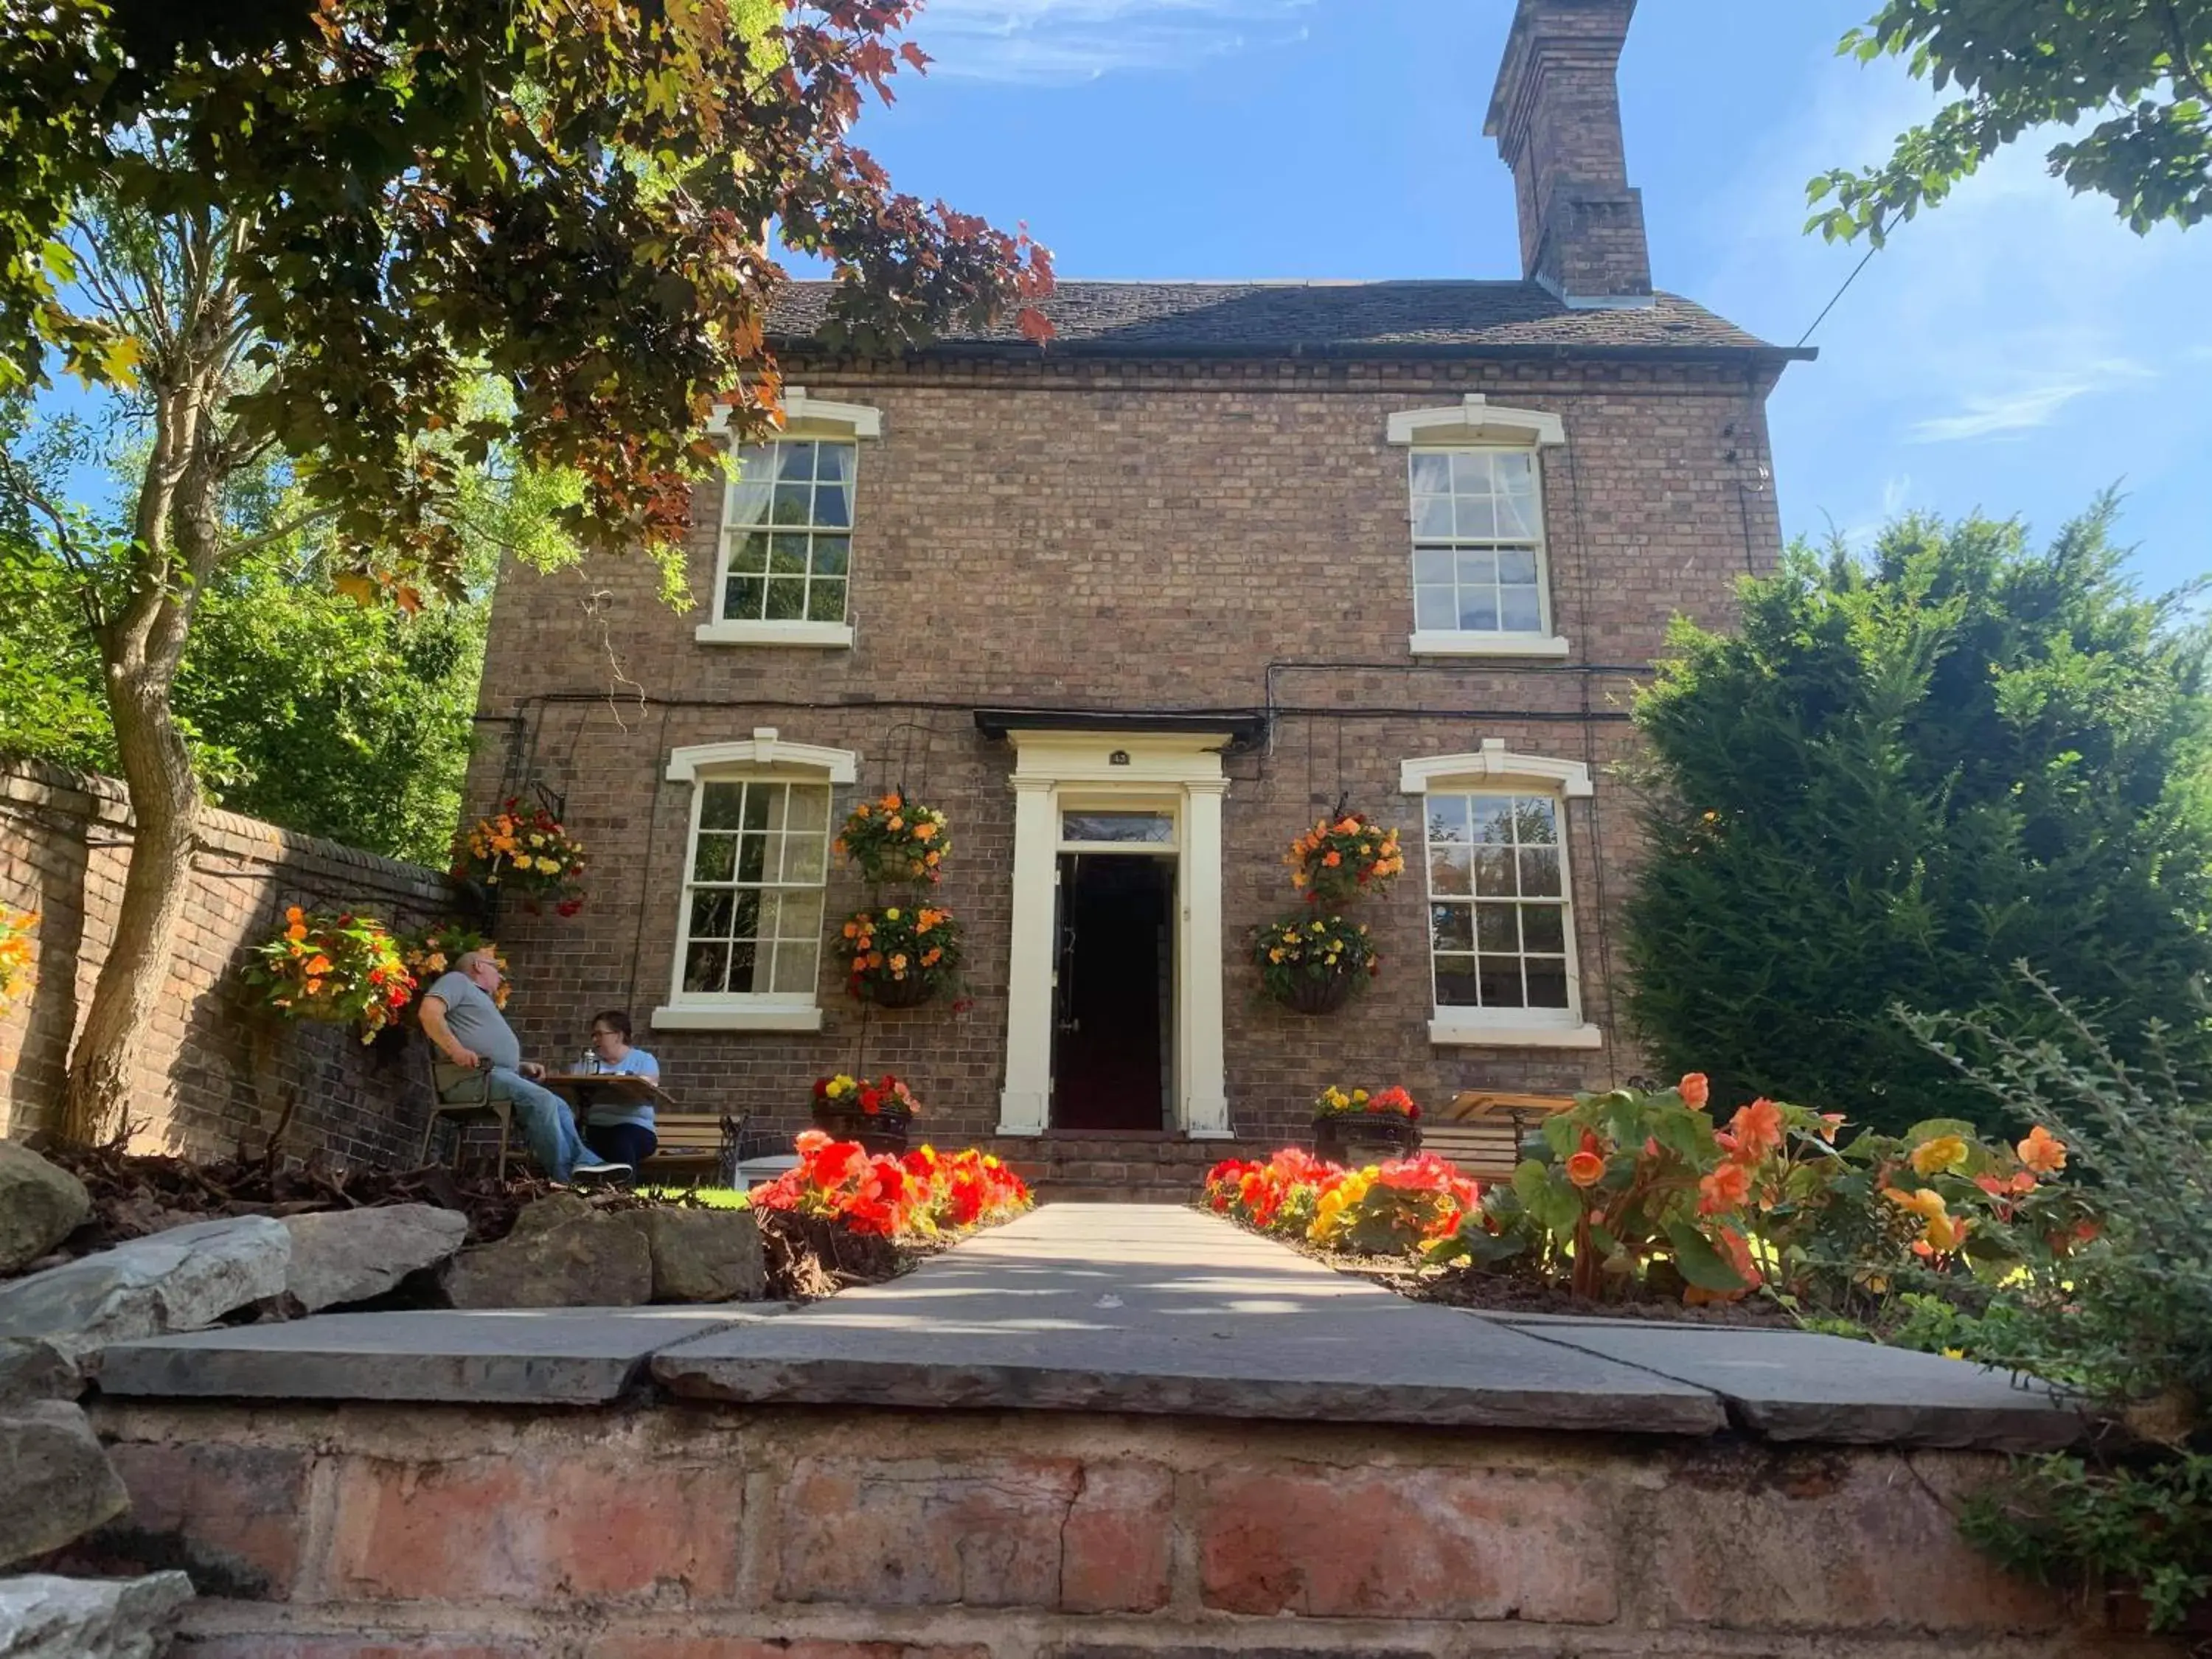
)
(1113, 995)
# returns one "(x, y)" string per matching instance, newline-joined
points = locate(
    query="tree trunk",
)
(164, 800)
(177, 543)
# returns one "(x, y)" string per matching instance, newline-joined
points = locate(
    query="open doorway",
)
(1112, 1005)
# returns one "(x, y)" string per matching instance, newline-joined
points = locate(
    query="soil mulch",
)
(137, 1193)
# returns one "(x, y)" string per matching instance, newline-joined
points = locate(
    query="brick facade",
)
(212, 1077)
(1138, 535)
(638, 1532)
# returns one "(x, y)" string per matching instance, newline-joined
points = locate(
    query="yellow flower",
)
(891, 915)
(1934, 1156)
(1926, 1202)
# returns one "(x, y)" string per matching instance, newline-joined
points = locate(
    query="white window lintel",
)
(1475, 419)
(815, 414)
(764, 747)
(1494, 763)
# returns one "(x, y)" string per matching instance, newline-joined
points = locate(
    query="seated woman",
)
(612, 1123)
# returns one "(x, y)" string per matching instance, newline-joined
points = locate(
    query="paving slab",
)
(1159, 1309)
(1796, 1385)
(563, 1356)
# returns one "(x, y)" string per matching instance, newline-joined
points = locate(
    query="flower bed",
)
(1641, 1198)
(924, 1197)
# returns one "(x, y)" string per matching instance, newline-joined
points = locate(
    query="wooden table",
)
(585, 1090)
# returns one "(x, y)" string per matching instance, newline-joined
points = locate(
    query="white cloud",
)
(2027, 406)
(1055, 42)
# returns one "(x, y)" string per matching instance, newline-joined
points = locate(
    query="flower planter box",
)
(883, 1132)
(1357, 1139)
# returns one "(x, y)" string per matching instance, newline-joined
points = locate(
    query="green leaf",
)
(1700, 1263)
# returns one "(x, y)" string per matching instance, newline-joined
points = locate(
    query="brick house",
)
(1135, 609)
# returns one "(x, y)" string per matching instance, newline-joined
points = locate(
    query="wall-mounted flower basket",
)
(526, 855)
(1357, 1128)
(1344, 858)
(1313, 964)
(879, 1115)
(900, 956)
(894, 839)
(335, 969)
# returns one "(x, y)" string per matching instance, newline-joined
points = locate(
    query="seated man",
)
(464, 1023)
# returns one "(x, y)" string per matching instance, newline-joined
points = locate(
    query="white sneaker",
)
(595, 1171)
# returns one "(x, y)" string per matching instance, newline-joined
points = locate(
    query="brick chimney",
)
(1556, 115)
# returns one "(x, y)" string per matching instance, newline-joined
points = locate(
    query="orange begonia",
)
(1725, 1188)
(1696, 1089)
(1585, 1169)
(2042, 1152)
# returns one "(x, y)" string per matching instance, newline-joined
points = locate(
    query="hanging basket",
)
(1308, 995)
(909, 992)
(1356, 1140)
(882, 1131)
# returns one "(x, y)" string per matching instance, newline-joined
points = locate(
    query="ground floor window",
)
(1497, 902)
(753, 892)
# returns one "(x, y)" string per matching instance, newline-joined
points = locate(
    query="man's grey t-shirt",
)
(475, 1020)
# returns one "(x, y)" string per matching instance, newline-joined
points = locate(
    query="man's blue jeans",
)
(548, 1126)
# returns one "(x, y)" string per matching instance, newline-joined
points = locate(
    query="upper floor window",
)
(787, 535)
(788, 518)
(1501, 948)
(1475, 499)
(756, 866)
(1478, 542)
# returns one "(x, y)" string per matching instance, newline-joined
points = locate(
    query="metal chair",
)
(464, 1113)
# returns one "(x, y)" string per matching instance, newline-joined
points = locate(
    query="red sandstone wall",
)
(207, 1081)
(700, 1533)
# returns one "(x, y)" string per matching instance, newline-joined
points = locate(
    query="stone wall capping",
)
(514, 1356)
(1149, 1309)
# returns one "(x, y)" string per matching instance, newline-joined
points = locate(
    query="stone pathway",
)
(1142, 1308)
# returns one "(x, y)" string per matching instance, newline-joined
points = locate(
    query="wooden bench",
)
(1481, 1131)
(693, 1148)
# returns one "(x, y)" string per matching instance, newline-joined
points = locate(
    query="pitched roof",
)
(1327, 320)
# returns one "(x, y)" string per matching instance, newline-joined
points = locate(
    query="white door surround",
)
(1106, 769)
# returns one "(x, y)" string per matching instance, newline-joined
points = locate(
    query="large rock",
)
(57, 1481)
(32, 1369)
(42, 1617)
(178, 1280)
(40, 1204)
(703, 1256)
(349, 1255)
(590, 1261)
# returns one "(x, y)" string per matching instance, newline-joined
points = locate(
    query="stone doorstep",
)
(1145, 1309)
(523, 1355)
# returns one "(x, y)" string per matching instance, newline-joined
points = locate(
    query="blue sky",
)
(2015, 351)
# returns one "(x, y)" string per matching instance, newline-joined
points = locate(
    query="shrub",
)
(2130, 1322)
(1895, 778)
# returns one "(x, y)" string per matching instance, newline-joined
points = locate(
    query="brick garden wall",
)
(211, 1077)
(363, 1532)
(1135, 537)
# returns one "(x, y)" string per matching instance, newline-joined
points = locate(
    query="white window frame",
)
(1475, 423)
(804, 418)
(1495, 770)
(764, 758)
